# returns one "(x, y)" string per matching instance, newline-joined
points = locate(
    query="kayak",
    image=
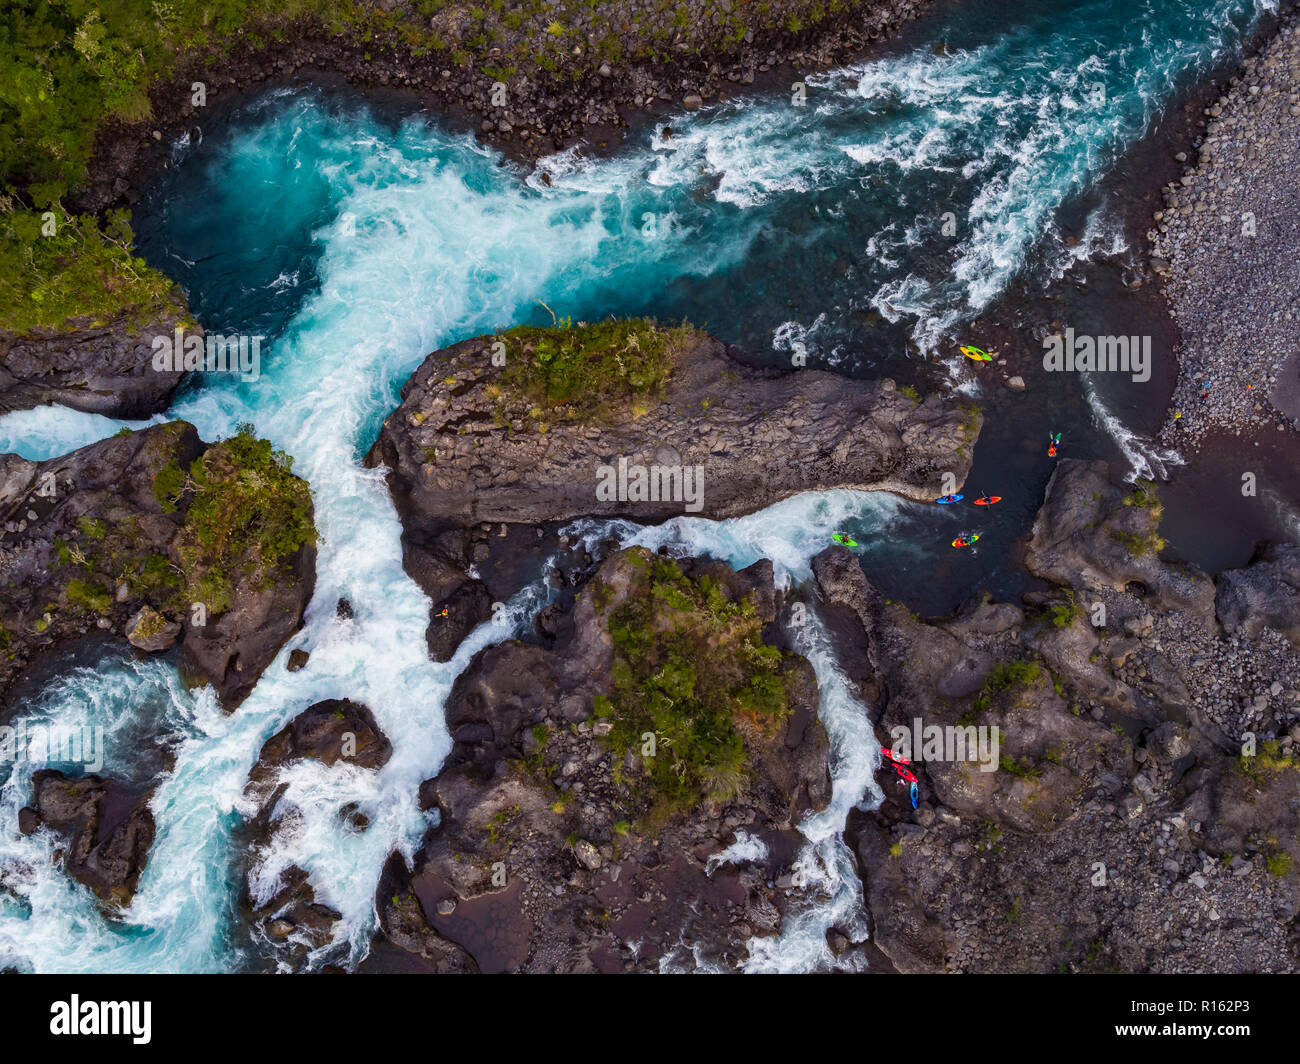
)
(976, 354)
(949, 498)
(914, 794)
(966, 540)
(988, 500)
(844, 540)
(1054, 446)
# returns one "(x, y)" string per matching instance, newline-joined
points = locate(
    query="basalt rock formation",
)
(99, 368)
(109, 539)
(1139, 810)
(107, 825)
(471, 453)
(564, 843)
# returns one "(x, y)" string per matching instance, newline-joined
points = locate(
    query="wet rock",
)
(716, 413)
(541, 823)
(103, 550)
(149, 630)
(101, 369)
(337, 729)
(107, 825)
(1265, 593)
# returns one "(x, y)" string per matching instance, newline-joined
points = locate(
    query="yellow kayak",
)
(976, 354)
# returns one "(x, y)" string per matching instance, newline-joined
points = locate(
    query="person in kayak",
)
(905, 775)
(1054, 446)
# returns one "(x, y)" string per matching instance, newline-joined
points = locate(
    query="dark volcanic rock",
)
(86, 545)
(108, 827)
(456, 453)
(544, 859)
(105, 369)
(1267, 592)
(1090, 534)
(337, 729)
(1117, 798)
(293, 918)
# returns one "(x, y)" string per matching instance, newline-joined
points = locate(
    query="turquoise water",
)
(357, 241)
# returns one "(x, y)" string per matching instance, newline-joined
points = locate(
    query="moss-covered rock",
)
(664, 724)
(152, 533)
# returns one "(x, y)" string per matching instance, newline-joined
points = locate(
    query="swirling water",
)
(871, 226)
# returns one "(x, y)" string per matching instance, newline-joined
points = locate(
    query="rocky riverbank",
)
(99, 368)
(1227, 244)
(162, 540)
(569, 77)
(1120, 827)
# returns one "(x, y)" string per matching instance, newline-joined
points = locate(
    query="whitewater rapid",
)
(359, 245)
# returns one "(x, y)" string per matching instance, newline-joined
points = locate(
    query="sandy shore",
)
(1227, 245)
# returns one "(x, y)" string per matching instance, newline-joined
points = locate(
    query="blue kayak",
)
(949, 498)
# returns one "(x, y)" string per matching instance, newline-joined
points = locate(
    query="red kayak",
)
(988, 500)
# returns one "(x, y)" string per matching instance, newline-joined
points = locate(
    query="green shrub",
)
(691, 668)
(247, 514)
(582, 371)
(1010, 674)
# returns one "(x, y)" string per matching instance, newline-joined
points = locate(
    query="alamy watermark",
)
(934, 742)
(179, 353)
(52, 744)
(1077, 354)
(626, 482)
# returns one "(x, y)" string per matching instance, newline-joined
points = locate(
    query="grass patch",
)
(587, 371)
(1021, 768)
(89, 596)
(1139, 545)
(1268, 763)
(1279, 863)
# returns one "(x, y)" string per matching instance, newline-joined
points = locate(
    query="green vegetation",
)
(1267, 764)
(78, 271)
(168, 484)
(153, 622)
(247, 513)
(690, 667)
(1021, 768)
(1139, 545)
(89, 596)
(241, 515)
(1065, 613)
(1010, 674)
(70, 68)
(1143, 496)
(1279, 863)
(586, 371)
